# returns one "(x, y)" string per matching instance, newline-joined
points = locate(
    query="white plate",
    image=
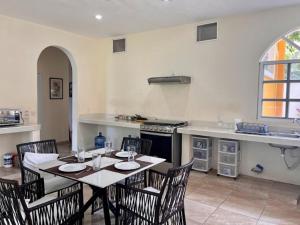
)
(127, 165)
(124, 154)
(87, 155)
(72, 167)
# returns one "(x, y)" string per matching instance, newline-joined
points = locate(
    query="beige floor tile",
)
(245, 204)
(209, 195)
(284, 196)
(220, 181)
(281, 215)
(265, 223)
(239, 202)
(224, 217)
(197, 213)
(4, 172)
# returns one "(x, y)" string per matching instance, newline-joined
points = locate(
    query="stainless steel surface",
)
(170, 80)
(10, 117)
(158, 134)
(155, 128)
(164, 126)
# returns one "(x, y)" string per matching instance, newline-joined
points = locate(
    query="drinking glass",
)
(108, 147)
(81, 155)
(96, 161)
(131, 150)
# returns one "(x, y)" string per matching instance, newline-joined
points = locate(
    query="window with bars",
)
(281, 90)
(279, 95)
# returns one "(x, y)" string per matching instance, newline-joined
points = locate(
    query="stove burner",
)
(162, 126)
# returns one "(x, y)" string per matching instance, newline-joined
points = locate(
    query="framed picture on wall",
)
(56, 88)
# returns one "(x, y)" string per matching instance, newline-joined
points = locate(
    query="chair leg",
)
(183, 216)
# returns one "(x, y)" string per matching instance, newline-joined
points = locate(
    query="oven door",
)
(162, 144)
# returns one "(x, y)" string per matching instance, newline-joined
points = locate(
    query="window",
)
(279, 95)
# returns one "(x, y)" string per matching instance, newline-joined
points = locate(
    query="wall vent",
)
(119, 45)
(207, 32)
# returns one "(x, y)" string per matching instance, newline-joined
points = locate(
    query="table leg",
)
(85, 207)
(105, 207)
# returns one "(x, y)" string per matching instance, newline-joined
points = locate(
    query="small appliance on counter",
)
(136, 118)
(10, 117)
(100, 141)
(252, 128)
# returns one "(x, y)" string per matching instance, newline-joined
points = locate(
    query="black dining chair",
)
(46, 185)
(143, 146)
(161, 202)
(14, 210)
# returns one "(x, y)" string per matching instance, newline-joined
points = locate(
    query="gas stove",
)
(164, 126)
(166, 142)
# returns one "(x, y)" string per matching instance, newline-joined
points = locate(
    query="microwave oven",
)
(10, 117)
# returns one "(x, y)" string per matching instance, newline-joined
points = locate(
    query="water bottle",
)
(99, 141)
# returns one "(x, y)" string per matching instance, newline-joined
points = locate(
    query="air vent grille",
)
(207, 32)
(119, 45)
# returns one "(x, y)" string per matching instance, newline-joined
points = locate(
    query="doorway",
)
(54, 96)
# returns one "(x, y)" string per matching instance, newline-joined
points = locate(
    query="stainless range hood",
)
(170, 80)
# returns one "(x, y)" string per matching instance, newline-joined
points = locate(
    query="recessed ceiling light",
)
(98, 17)
(165, 0)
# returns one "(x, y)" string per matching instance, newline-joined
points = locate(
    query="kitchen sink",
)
(285, 134)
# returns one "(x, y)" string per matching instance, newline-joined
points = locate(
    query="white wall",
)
(224, 76)
(20, 46)
(224, 72)
(53, 114)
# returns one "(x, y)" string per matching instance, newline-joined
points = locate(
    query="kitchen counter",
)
(231, 134)
(20, 128)
(107, 120)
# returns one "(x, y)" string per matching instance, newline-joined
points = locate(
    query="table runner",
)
(76, 175)
(126, 172)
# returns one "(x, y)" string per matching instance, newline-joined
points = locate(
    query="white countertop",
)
(106, 120)
(202, 130)
(20, 128)
(231, 134)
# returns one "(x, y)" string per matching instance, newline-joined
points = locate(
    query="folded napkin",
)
(31, 160)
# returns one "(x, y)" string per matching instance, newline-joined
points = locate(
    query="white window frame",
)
(260, 92)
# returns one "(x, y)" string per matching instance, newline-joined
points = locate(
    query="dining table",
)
(100, 180)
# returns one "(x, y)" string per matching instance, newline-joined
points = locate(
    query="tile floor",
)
(213, 200)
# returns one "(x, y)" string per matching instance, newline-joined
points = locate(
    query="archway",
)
(57, 95)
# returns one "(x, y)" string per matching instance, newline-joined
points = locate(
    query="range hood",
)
(170, 80)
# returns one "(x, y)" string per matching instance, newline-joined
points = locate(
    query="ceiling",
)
(127, 16)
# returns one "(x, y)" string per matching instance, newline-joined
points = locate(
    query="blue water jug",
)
(99, 141)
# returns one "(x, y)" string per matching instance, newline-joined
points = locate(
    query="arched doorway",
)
(56, 96)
